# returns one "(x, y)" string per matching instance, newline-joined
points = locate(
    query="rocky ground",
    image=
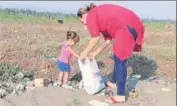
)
(154, 91)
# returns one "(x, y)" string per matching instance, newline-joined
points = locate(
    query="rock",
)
(29, 74)
(26, 80)
(46, 82)
(73, 83)
(20, 87)
(3, 93)
(20, 75)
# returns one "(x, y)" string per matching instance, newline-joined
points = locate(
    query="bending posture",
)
(114, 23)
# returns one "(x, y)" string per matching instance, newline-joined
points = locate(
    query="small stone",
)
(3, 93)
(20, 75)
(20, 87)
(46, 82)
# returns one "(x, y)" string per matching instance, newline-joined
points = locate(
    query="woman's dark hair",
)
(86, 9)
(72, 35)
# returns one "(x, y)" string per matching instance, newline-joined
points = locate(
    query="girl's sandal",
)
(113, 101)
(67, 86)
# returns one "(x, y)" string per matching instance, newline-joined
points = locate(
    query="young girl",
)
(65, 57)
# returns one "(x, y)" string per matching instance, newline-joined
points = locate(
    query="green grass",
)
(4, 16)
(18, 17)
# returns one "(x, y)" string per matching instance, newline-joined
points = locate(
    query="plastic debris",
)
(137, 76)
(39, 82)
(133, 94)
(13, 80)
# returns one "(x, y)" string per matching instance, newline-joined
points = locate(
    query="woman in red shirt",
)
(122, 25)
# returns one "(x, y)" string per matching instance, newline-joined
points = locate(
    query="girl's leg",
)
(65, 81)
(65, 77)
(60, 77)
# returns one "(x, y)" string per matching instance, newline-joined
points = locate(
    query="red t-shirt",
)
(112, 20)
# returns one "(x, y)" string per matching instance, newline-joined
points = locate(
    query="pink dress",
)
(65, 56)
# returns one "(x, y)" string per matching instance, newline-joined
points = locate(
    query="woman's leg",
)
(121, 75)
(112, 83)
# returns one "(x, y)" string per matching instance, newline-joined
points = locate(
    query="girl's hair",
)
(86, 9)
(72, 35)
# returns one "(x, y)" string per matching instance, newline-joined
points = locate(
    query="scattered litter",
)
(137, 76)
(131, 82)
(97, 103)
(39, 82)
(108, 93)
(30, 86)
(13, 80)
(55, 84)
(165, 89)
(133, 94)
(154, 78)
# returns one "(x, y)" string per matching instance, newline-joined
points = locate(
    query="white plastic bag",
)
(91, 76)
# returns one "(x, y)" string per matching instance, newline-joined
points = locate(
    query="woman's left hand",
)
(83, 55)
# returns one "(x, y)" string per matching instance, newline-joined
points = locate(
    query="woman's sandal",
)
(112, 100)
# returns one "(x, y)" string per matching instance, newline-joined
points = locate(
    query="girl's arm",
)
(72, 52)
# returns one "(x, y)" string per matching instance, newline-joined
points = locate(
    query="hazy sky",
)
(145, 9)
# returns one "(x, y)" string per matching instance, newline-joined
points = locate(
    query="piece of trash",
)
(97, 103)
(165, 89)
(39, 82)
(133, 94)
(153, 78)
(136, 76)
(108, 93)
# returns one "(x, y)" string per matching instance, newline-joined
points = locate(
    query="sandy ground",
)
(149, 94)
(23, 46)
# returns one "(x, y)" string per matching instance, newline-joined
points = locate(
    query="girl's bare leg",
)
(60, 77)
(65, 77)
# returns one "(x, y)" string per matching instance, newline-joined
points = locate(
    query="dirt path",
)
(150, 94)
